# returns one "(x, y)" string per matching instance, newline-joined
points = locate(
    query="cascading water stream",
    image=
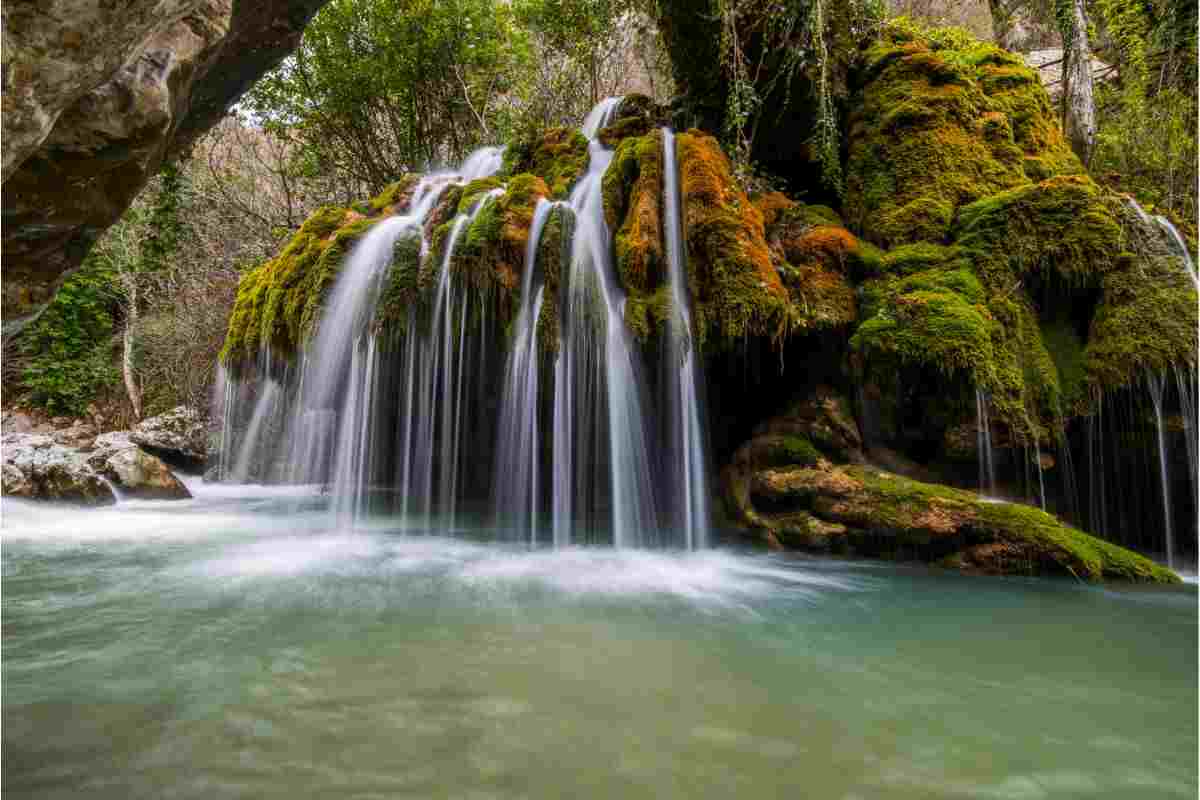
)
(406, 411)
(518, 455)
(1180, 247)
(598, 382)
(686, 463)
(1156, 382)
(336, 421)
(983, 434)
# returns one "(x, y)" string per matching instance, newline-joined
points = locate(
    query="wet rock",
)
(179, 437)
(35, 467)
(137, 473)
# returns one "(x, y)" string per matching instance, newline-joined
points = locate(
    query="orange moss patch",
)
(632, 207)
(824, 245)
(772, 205)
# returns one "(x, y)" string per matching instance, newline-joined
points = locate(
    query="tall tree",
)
(1078, 103)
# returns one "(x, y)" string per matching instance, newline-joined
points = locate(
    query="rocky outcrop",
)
(179, 437)
(34, 467)
(138, 474)
(801, 482)
(96, 96)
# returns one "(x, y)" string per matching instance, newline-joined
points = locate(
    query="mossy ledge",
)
(804, 482)
(279, 302)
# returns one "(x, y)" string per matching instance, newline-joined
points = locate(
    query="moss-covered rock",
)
(878, 513)
(559, 156)
(633, 200)
(737, 289)
(279, 302)
(637, 115)
(942, 120)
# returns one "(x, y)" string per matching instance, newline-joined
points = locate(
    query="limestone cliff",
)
(96, 96)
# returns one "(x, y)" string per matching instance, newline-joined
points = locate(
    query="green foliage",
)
(68, 350)
(379, 88)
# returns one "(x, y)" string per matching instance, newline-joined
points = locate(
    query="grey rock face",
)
(96, 96)
(33, 466)
(180, 436)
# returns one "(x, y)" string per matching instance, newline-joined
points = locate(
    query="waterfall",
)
(263, 407)
(599, 405)
(1156, 383)
(983, 437)
(518, 453)
(1180, 247)
(685, 457)
(443, 407)
(1186, 385)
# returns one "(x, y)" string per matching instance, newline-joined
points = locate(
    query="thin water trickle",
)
(1181, 248)
(1156, 383)
(983, 433)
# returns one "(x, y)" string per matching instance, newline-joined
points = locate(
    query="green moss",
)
(936, 318)
(1144, 322)
(905, 506)
(941, 121)
(278, 303)
(395, 194)
(910, 258)
(470, 194)
(1079, 553)
(1066, 351)
(736, 289)
(788, 451)
(1062, 225)
(632, 191)
(558, 156)
(402, 288)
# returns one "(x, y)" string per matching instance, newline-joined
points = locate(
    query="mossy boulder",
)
(892, 516)
(941, 120)
(279, 302)
(559, 156)
(637, 115)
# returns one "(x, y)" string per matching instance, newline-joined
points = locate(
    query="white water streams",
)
(411, 412)
(1180, 247)
(983, 440)
(598, 385)
(685, 460)
(518, 454)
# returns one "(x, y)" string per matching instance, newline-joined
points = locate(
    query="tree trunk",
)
(128, 340)
(1079, 107)
(1003, 23)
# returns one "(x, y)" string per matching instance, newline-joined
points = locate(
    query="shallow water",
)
(236, 645)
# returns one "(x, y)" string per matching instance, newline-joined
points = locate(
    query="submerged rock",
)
(36, 468)
(179, 437)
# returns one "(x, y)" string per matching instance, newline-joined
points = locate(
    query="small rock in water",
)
(137, 473)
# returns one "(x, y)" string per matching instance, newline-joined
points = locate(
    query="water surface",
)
(239, 645)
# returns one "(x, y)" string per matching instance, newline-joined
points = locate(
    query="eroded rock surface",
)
(179, 437)
(96, 96)
(136, 472)
(35, 467)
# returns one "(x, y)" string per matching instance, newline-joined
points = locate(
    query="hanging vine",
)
(765, 45)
